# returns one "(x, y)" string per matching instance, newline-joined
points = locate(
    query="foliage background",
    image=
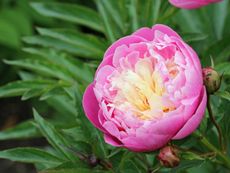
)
(50, 50)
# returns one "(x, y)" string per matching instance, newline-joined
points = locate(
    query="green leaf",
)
(11, 37)
(32, 93)
(114, 9)
(76, 170)
(55, 91)
(30, 155)
(18, 88)
(77, 68)
(192, 37)
(223, 68)
(223, 94)
(108, 29)
(21, 131)
(46, 41)
(42, 67)
(219, 14)
(133, 14)
(128, 166)
(51, 134)
(149, 11)
(70, 12)
(85, 42)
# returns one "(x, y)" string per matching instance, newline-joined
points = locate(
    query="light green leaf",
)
(46, 41)
(76, 67)
(133, 14)
(21, 131)
(18, 88)
(85, 42)
(223, 68)
(70, 12)
(32, 93)
(53, 137)
(108, 29)
(30, 155)
(223, 94)
(114, 9)
(192, 37)
(42, 67)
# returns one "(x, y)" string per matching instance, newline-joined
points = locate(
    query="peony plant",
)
(118, 92)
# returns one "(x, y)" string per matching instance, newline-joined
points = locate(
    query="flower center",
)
(141, 90)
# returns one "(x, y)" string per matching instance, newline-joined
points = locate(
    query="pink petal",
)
(165, 29)
(91, 107)
(145, 33)
(112, 141)
(145, 142)
(123, 41)
(195, 120)
(107, 61)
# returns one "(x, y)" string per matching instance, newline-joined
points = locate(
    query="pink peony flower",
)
(190, 4)
(147, 90)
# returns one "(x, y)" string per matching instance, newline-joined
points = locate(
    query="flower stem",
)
(210, 112)
(211, 147)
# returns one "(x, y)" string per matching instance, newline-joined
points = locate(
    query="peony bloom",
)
(190, 4)
(147, 90)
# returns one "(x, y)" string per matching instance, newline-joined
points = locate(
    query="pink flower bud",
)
(191, 4)
(168, 157)
(211, 79)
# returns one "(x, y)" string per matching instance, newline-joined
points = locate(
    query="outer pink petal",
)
(107, 61)
(91, 107)
(165, 29)
(146, 142)
(195, 120)
(123, 41)
(112, 141)
(145, 32)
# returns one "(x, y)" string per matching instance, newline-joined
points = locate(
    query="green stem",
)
(211, 147)
(220, 135)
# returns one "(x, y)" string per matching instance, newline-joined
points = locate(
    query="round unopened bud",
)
(211, 79)
(168, 157)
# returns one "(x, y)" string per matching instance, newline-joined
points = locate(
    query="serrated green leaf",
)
(53, 137)
(21, 131)
(223, 94)
(30, 155)
(85, 42)
(70, 12)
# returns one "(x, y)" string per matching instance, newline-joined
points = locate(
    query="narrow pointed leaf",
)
(30, 155)
(21, 131)
(70, 12)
